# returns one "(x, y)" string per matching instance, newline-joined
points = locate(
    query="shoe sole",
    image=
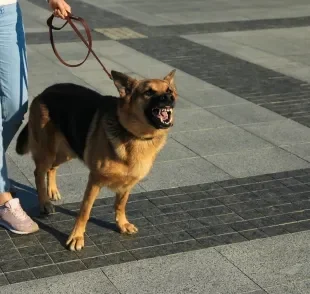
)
(8, 227)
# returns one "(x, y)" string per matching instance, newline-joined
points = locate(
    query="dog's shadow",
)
(29, 200)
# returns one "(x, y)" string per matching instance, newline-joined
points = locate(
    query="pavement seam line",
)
(231, 262)
(199, 156)
(101, 269)
(278, 146)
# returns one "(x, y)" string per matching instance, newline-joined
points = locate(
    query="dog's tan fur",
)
(114, 161)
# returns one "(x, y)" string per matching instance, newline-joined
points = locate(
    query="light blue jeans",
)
(13, 81)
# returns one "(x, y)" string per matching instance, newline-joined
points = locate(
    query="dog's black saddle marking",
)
(72, 109)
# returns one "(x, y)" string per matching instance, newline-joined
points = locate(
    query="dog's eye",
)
(169, 91)
(149, 92)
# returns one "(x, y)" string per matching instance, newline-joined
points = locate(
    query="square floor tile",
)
(221, 140)
(184, 172)
(196, 119)
(174, 150)
(256, 162)
(272, 261)
(281, 132)
(247, 113)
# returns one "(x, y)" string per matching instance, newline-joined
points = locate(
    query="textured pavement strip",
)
(229, 270)
(120, 33)
(170, 221)
(188, 218)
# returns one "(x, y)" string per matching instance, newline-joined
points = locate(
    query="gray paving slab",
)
(192, 17)
(220, 140)
(185, 104)
(273, 261)
(280, 37)
(228, 44)
(34, 13)
(255, 162)
(140, 63)
(134, 14)
(14, 172)
(99, 81)
(41, 82)
(205, 95)
(246, 113)
(299, 287)
(90, 281)
(196, 119)
(198, 11)
(92, 65)
(284, 50)
(40, 64)
(174, 151)
(281, 132)
(302, 150)
(68, 51)
(304, 58)
(203, 271)
(176, 173)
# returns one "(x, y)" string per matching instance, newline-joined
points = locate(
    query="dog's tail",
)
(22, 141)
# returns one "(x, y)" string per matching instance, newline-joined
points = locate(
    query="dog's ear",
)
(123, 83)
(170, 78)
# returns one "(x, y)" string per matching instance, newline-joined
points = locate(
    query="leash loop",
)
(88, 43)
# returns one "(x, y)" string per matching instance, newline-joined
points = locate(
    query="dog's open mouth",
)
(164, 114)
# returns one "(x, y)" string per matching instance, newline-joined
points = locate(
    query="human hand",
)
(60, 8)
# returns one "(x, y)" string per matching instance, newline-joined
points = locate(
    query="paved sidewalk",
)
(236, 168)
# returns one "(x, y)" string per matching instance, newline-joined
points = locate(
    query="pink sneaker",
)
(15, 219)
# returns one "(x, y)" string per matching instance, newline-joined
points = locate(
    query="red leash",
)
(88, 43)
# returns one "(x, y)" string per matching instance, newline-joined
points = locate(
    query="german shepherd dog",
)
(117, 138)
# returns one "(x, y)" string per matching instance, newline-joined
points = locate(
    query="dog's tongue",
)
(163, 114)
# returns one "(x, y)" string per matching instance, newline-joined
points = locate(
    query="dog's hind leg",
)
(52, 190)
(76, 238)
(120, 214)
(42, 167)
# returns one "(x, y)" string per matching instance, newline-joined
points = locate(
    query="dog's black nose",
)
(168, 98)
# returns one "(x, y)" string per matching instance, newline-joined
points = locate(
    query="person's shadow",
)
(28, 198)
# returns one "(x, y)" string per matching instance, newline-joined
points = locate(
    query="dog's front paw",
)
(47, 208)
(127, 228)
(53, 193)
(75, 242)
